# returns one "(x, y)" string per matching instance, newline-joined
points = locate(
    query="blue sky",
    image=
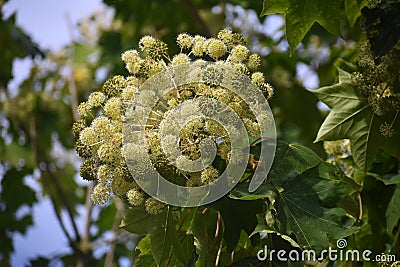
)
(45, 21)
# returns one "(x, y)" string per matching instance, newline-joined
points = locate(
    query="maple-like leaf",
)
(305, 191)
(300, 15)
(353, 118)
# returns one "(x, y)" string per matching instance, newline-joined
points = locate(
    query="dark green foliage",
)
(382, 24)
(304, 202)
(15, 43)
(11, 184)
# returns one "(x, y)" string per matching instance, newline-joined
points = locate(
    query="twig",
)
(184, 219)
(122, 237)
(216, 229)
(115, 228)
(360, 206)
(53, 204)
(60, 192)
(85, 243)
(219, 253)
(64, 200)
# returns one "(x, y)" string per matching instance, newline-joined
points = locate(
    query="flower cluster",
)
(338, 153)
(379, 83)
(99, 131)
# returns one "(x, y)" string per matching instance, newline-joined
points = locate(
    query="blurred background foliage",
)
(36, 119)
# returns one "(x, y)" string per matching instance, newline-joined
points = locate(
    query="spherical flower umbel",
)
(88, 136)
(153, 206)
(129, 92)
(199, 48)
(105, 173)
(101, 194)
(88, 169)
(239, 53)
(96, 99)
(135, 197)
(102, 127)
(180, 59)
(226, 36)
(113, 108)
(258, 78)
(83, 109)
(209, 175)
(216, 49)
(169, 136)
(108, 153)
(130, 56)
(147, 42)
(184, 40)
(254, 61)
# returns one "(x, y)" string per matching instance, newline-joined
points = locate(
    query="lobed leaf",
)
(306, 192)
(352, 117)
(300, 15)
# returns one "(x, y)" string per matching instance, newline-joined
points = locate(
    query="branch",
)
(38, 159)
(60, 221)
(116, 230)
(64, 200)
(85, 243)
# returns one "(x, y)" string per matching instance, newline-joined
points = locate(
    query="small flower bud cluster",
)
(99, 133)
(338, 151)
(99, 138)
(379, 83)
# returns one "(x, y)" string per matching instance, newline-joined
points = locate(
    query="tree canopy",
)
(335, 178)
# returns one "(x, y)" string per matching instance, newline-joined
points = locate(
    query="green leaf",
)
(263, 228)
(350, 206)
(187, 249)
(144, 245)
(299, 212)
(292, 160)
(204, 226)
(387, 179)
(13, 185)
(237, 216)
(138, 221)
(82, 52)
(145, 258)
(382, 26)
(14, 153)
(300, 15)
(353, 10)
(351, 117)
(16, 44)
(393, 211)
(160, 243)
(40, 262)
(308, 191)
(241, 192)
(165, 237)
(106, 218)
